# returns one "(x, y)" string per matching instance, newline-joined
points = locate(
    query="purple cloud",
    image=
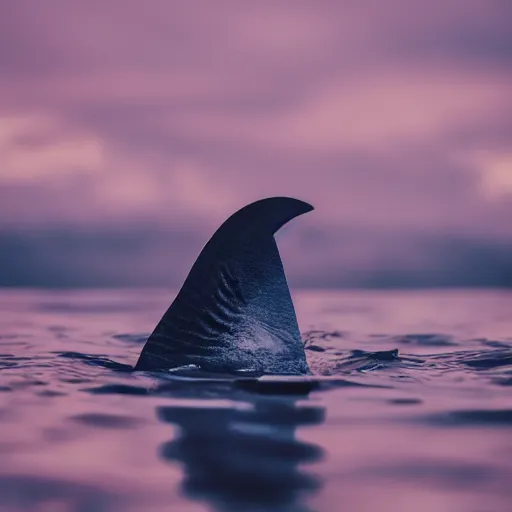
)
(120, 123)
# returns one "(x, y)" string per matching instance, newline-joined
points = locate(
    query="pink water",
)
(427, 429)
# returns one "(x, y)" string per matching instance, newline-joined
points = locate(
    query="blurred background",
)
(130, 130)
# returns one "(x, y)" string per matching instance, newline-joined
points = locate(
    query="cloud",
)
(34, 148)
(374, 112)
(392, 118)
(146, 256)
(495, 172)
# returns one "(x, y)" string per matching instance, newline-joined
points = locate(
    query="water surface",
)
(410, 409)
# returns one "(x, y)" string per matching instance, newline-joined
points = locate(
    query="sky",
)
(130, 130)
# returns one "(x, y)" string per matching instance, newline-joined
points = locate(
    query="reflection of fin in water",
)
(234, 311)
(244, 458)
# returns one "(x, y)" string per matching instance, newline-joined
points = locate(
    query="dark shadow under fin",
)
(234, 312)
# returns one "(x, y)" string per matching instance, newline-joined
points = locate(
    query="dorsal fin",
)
(234, 311)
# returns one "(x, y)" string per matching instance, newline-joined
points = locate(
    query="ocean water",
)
(410, 408)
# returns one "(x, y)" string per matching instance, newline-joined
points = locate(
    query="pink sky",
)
(130, 130)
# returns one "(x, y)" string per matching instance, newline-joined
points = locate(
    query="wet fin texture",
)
(234, 312)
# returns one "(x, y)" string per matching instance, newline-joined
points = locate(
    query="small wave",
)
(425, 340)
(473, 417)
(117, 389)
(103, 420)
(132, 338)
(489, 360)
(30, 492)
(96, 361)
